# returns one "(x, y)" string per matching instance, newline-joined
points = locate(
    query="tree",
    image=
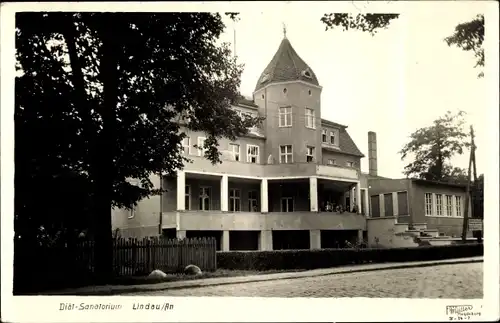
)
(370, 22)
(103, 94)
(468, 36)
(432, 148)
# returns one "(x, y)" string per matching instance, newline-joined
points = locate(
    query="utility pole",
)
(234, 38)
(472, 159)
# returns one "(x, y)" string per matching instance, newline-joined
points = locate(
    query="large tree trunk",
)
(104, 170)
(101, 150)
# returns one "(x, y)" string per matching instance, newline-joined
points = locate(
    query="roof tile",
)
(286, 65)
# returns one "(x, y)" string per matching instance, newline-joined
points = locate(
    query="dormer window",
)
(264, 78)
(307, 74)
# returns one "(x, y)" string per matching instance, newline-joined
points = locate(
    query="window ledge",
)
(445, 216)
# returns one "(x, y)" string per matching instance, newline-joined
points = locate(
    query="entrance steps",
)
(421, 234)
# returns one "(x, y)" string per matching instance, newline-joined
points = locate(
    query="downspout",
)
(160, 221)
(409, 203)
(266, 155)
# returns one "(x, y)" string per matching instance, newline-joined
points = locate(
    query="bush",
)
(325, 258)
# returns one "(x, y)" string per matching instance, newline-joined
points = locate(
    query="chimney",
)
(372, 153)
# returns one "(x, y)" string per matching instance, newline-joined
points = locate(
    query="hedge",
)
(326, 258)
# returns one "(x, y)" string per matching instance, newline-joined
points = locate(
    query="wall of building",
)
(382, 186)
(146, 216)
(224, 146)
(385, 206)
(270, 99)
(382, 234)
(445, 224)
(341, 159)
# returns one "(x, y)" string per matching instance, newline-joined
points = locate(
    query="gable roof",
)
(286, 65)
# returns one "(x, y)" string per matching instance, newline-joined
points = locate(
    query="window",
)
(449, 206)
(307, 73)
(205, 197)
(286, 155)
(310, 154)
(187, 198)
(201, 145)
(388, 205)
(287, 204)
(264, 78)
(331, 161)
(310, 119)
(349, 164)
(186, 146)
(439, 204)
(285, 117)
(234, 200)
(402, 203)
(458, 205)
(252, 202)
(284, 91)
(323, 136)
(310, 93)
(334, 137)
(252, 154)
(428, 203)
(235, 152)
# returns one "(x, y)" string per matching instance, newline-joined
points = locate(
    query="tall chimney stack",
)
(372, 153)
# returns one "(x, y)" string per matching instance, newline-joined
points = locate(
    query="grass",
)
(220, 273)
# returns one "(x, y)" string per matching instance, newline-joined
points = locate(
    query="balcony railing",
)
(337, 171)
(218, 220)
(242, 167)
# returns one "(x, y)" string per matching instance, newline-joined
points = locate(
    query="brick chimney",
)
(372, 153)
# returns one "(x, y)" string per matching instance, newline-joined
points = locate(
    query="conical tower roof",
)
(286, 65)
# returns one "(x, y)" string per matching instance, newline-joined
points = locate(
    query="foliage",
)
(469, 36)
(370, 22)
(327, 258)
(233, 15)
(432, 148)
(104, 94)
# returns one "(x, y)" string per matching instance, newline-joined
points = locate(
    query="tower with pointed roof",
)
(289, 96)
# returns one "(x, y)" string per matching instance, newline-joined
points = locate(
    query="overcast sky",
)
(393, 83)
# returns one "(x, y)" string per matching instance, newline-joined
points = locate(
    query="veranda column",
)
(351, 198)
(358, 197)
(225, 241)
(263, 196)
(181, 191)
(224, 193)
(313, 194)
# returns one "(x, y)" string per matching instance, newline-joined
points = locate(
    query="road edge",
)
(207, 283)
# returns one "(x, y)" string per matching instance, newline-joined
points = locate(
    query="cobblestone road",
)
(444, 281)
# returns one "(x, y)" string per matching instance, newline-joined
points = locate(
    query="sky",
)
(392, 83)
